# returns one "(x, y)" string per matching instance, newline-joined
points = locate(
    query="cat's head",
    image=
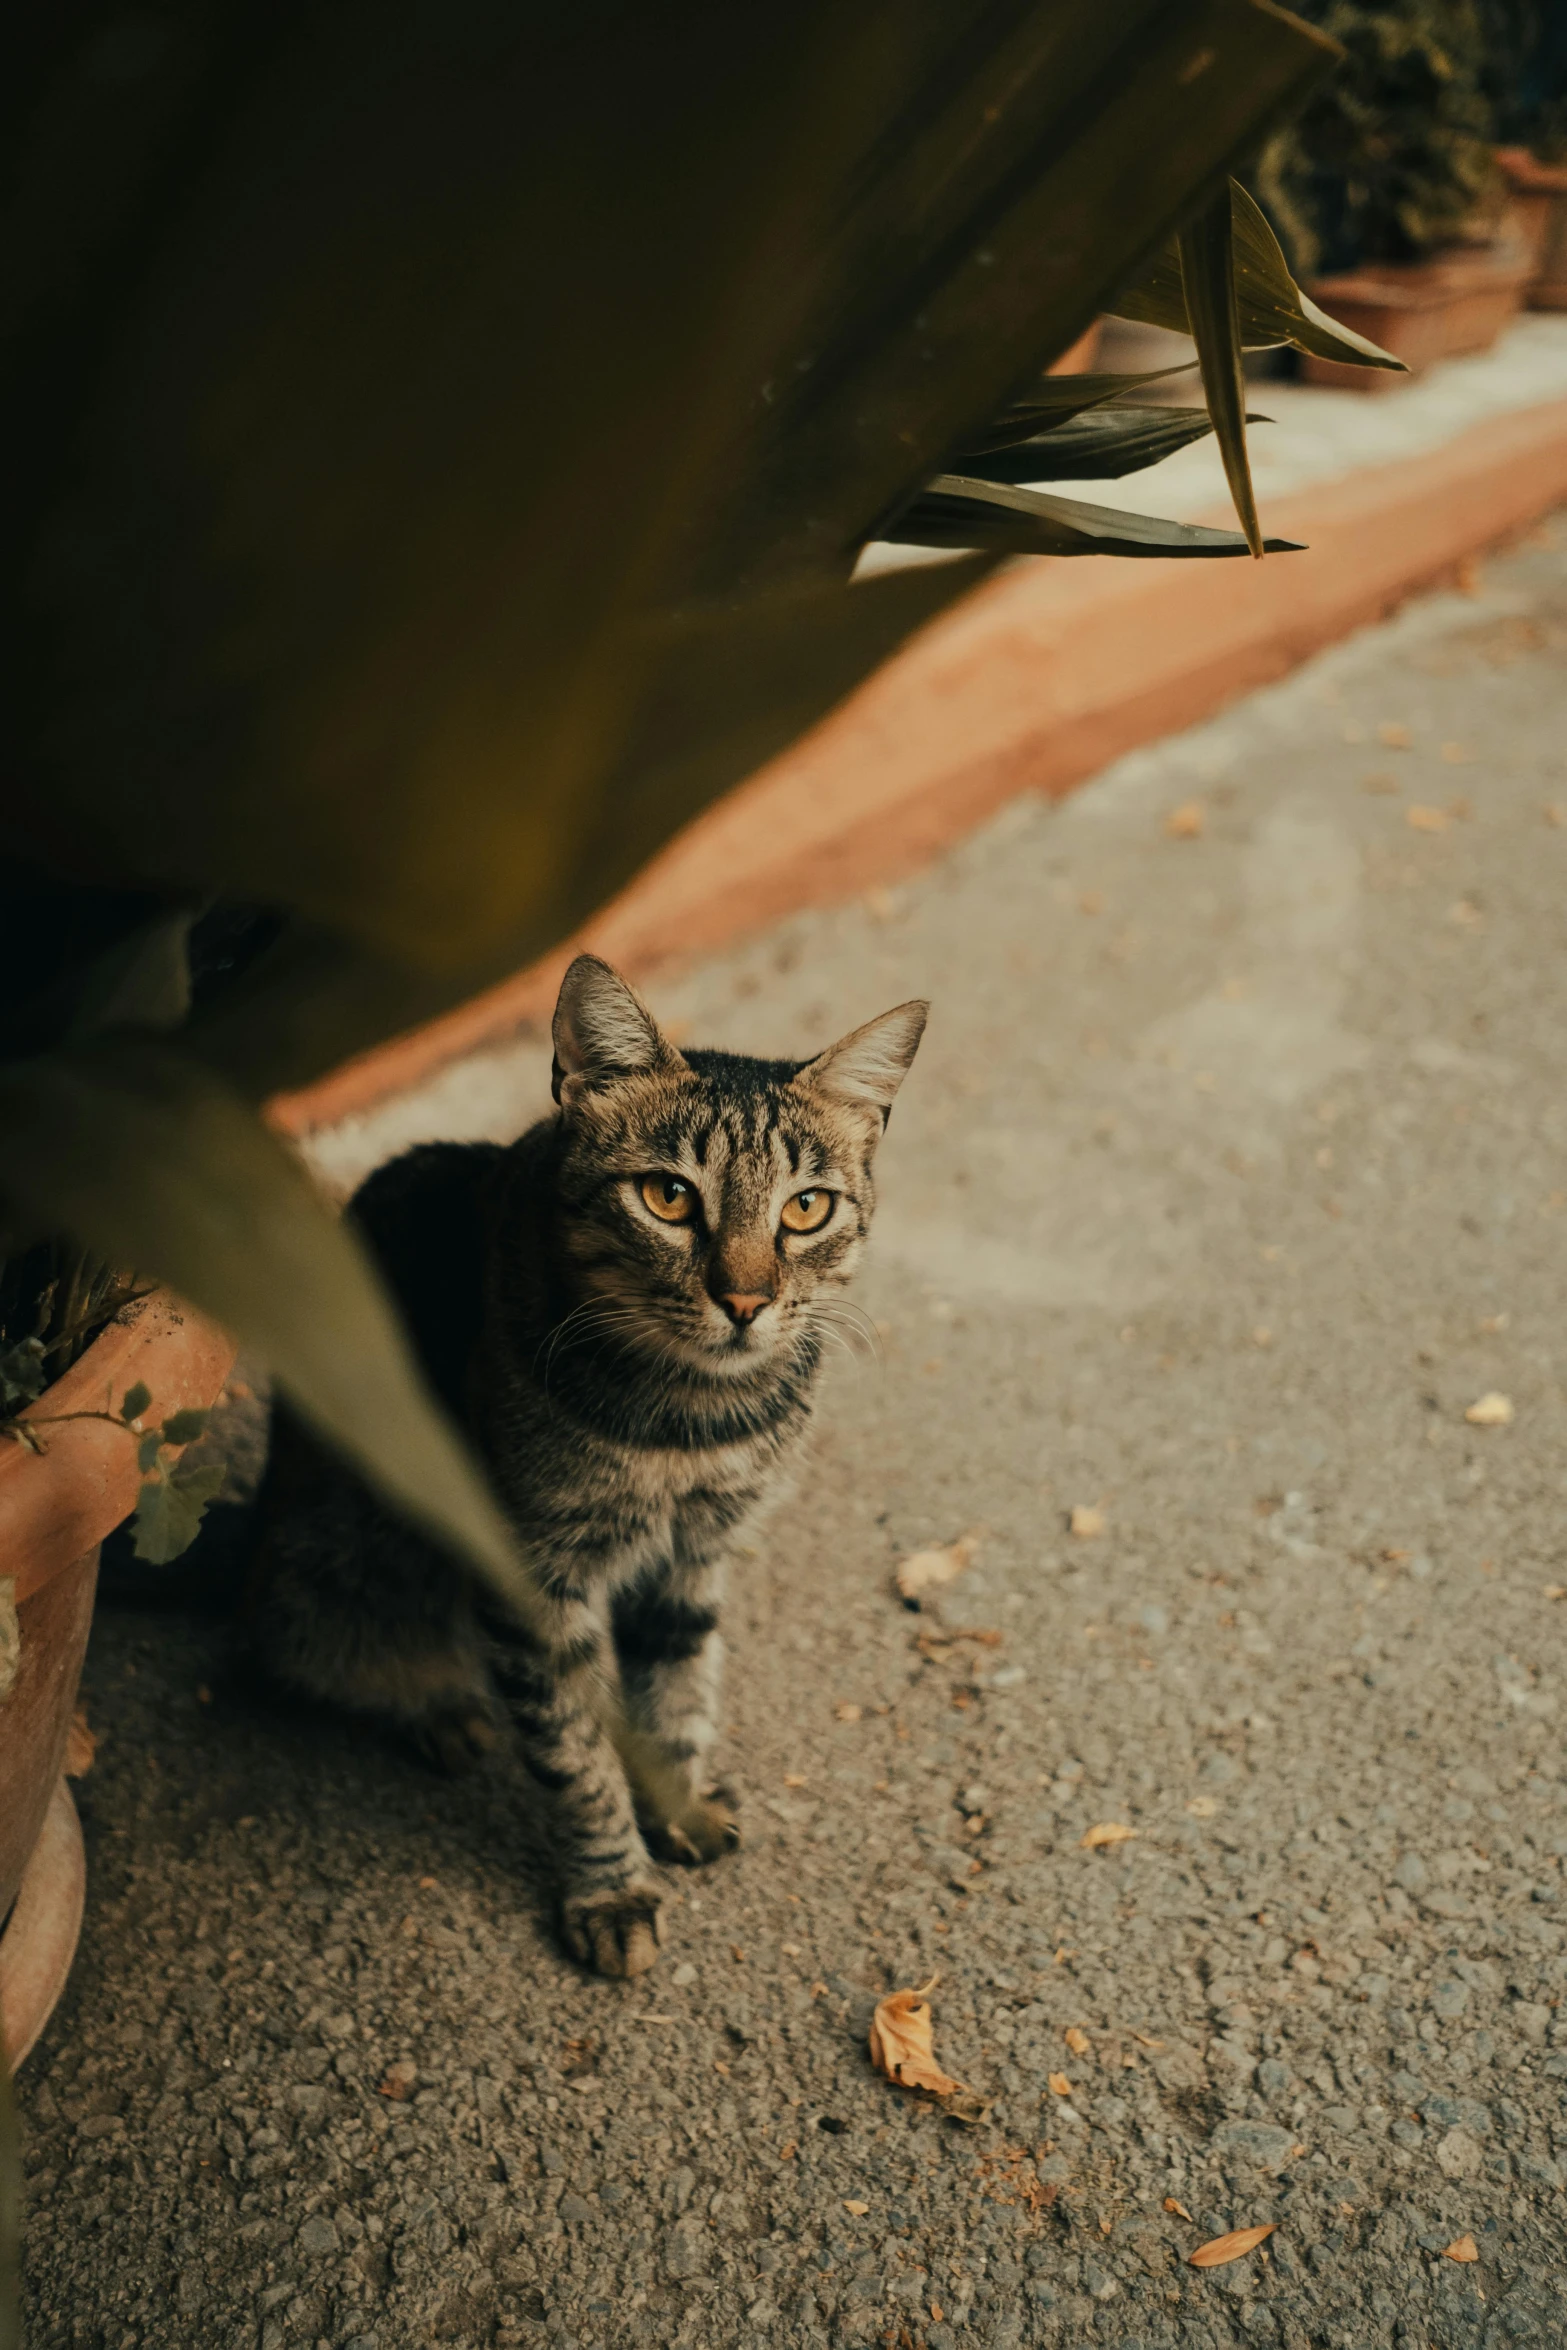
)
(713, 1206)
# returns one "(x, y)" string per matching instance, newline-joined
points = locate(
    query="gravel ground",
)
(1230, 1177)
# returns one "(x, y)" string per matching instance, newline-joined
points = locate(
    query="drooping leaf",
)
(337, 353)
(1271, 307)
(1056, 399)
(1102, 446)
(170, 1508)
(135, 1149)
(959, 512)
(1208, 283)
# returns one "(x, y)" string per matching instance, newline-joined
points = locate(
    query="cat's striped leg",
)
(558, 1683)
(671, 1663)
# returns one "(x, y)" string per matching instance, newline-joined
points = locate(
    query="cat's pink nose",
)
(743, 1305)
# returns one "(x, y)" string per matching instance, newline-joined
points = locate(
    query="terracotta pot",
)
(1537, 194)
(1422, 311)
(55, 1509)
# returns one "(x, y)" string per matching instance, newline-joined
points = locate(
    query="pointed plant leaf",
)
(170, 1508)
(184, 1427)
(1271, 307)
(146, 1157)
(1105, 445)
(960, 512)
(1056, 399)
(1208, 281)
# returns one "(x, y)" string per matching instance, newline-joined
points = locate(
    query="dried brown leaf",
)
(1107, 1832)
(1491, 1410)
(1461, 2248)
(1086, 1521)
(1186, 821)
(81, 1744)
(1171, 2203)
(1395, 737)
(928, 1570)
(1234, 2246)
(1420, 818)
(1076, 2039)
(902, 2042)
(856, 2210)
(845, 1711)
(1059, 2085)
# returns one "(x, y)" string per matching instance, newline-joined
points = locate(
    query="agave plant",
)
(451, 436)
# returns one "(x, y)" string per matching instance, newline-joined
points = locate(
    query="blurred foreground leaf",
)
(1209, 286)
(1105, 445)
(145, 1157)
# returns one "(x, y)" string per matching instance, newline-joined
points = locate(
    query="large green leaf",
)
(388, 372)
(1208, 281)
(1272, 308)
(958, 512)
(140, 1154)
(1105, 445)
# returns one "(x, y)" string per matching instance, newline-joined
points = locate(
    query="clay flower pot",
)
(55, 1509)
(1538, 193)
(1423, 311)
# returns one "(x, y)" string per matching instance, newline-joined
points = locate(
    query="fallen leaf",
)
(1147, 2040)
(845, 1712)
(902, 2044)
(1461, 2248)
(1553, 1590)
(927, 1570)
(788, 2150)
(1059, 2085)
(1395, 736)
(1186, 821)
(1085, 1521)
(794, 1779)
(1076, 2040)
(1234, 2246)
(1492, 1410)
(1107, 1832)
(1172, 2204)
(1423, 819)
(1555, 813)
(81, 1744)
(856, 2210)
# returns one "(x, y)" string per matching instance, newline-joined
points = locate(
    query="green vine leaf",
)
(147, 1451)
(135, 1401)
(184, 1427)
(170, 1508)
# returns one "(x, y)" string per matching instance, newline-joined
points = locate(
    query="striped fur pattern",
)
(628, 1308)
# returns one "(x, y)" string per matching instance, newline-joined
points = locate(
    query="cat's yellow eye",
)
(671, 1200)
(808, 1211)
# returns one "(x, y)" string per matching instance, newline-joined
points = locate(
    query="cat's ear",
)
(867, 1066)
(603, 1030)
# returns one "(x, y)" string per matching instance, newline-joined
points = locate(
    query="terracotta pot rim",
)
(1425, 285)
(59, 1504)
(40, 1937)
(1527, 175)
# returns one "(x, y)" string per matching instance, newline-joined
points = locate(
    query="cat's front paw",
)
(704, 1830)
(615, 1933)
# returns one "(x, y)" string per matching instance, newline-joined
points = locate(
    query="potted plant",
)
(1526, 84)
(1386, 187)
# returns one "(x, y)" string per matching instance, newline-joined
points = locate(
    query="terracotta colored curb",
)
(1037, 681)
(39, 1942)
(56, 1506)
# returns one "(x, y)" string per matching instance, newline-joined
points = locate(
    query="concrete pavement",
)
(1230, 1178)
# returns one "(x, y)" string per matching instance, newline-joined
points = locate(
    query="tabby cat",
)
(627, 1308)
